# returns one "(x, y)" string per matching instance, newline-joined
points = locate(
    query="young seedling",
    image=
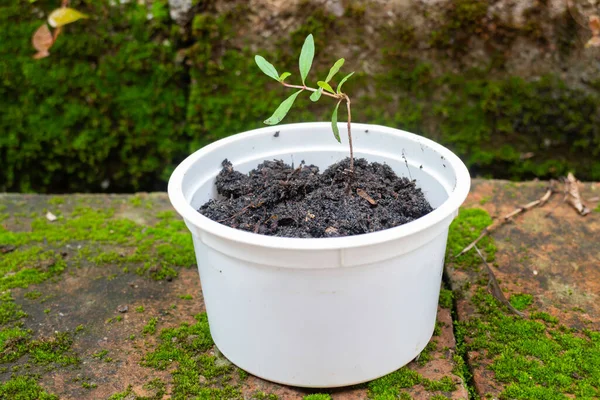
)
(324, 88)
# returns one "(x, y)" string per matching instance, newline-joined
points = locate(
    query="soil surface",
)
(277, 199)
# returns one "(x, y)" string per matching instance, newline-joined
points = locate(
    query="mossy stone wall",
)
(126, 95)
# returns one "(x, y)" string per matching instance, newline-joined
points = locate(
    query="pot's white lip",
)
(455, 199)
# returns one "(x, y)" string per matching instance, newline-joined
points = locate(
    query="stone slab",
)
(548, 262)
(132, 252)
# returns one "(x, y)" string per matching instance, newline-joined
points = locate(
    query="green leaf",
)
(266, 67)
(339, 88)
(316, 95)
(335, 69)
(63, 16)
(306, 57)
(282, 110)
(336, 131)
(283, 76)
(325, 86)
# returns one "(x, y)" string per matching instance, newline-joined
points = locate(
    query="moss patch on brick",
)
(464, 230)
(186, 349)
(533, 358)
(390, 385)
(24, 388)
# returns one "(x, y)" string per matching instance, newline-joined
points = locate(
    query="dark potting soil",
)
(278, 200)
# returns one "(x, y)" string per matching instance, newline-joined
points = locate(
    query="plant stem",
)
(335, 96)
(350, 135)
(340, 96)
(57, 31)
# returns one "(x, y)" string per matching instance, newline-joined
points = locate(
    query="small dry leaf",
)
(526, 156)
(366, 196)
(63, 16)
(574, 198)
(42, 40)
(51, 217)
(595, 27)
(41, 54)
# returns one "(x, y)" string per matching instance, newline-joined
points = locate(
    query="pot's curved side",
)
(322, 312)
(323, 327)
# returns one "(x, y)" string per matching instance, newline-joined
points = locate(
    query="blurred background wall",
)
(125, 95)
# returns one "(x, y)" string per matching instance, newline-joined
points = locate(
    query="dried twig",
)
(556, 205)
(499, 222)
(495, 287)
(573, 196)
(243, 210)
(294, 171)
(366, 196)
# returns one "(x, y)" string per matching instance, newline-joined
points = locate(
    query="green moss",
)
(390, 385)
(9, 311)
(56, 350)
(461, 21)
(55, 200)
(264, 396)
(112, 78)
(87, 385)
(520, 301)
(532, 360)
(445, 384)
(100, 354)
(184, 350)
(446, 298)
(147, 96)
(135, 201)
(438, 328)
(317, 396)
(13, 343)
(33, 295)
(114, 319)
(24, 388)
(186, 297)
(122, 395)
(464, 230)
(544, 317)
(139, 309)
(157, 249)
(16, 342)
(480, 116)
(150, 327)
(155, 385)
(425, 355)
(22, 268)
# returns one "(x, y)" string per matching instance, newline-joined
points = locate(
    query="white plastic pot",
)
(322, 312)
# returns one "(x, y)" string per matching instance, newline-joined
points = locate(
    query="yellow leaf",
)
(42, 39)
(64, 16)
